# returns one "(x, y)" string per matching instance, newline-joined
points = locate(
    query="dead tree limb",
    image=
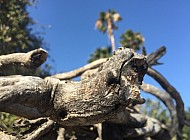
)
(152, 59)
(79, 71)
(168, 102)
(102, 97)
(151, 128)
(77, 103)
(32, 59)
(174, 94)
(43, 129)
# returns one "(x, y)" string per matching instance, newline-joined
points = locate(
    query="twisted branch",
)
(174, 94)
(168, 102)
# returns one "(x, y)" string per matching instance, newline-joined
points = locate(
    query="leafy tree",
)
(107, 23)
(154, 108)
(17, 34)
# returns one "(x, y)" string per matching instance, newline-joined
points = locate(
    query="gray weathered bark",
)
(108, 95)
(77, 103)
(32, 59)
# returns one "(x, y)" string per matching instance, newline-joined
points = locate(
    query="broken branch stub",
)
(32, 59)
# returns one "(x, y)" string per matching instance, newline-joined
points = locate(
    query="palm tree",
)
(103, 52)
(132, 40)
(106, 23)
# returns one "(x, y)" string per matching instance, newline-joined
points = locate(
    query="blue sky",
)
(71, 35)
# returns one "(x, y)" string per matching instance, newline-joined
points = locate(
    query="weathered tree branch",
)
(103, 97)
(79, 71)
(168, 101)
(43, 129)
(152, 59)
(25, 96)
(151, 128)
(174, 94)
(31, 124)
(99, 130)
(32, 59)
(4, 136)
(77, 103)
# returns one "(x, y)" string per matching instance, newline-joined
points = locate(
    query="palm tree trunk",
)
(112, 39)
(110, 34)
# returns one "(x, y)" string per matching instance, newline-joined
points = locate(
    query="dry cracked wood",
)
(77, 103)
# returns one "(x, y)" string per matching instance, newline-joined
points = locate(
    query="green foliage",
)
(107, 23)
(186, 130)
(6, 122)
(156, 110)
(132, 40)
(104, 52)
(16, 33)
(105, 18)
